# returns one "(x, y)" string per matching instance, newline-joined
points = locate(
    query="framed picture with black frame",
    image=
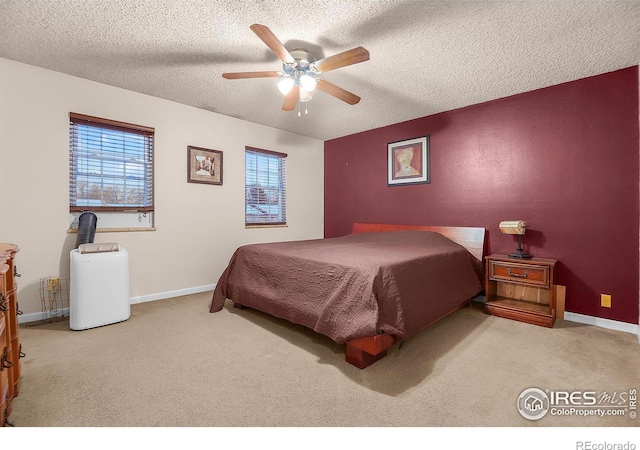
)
(408, 162)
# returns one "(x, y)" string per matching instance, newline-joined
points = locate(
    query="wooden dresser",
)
(10, 348)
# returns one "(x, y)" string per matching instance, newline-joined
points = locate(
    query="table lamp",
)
(515, 227)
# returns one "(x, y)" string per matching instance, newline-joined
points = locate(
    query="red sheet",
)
(358, 285)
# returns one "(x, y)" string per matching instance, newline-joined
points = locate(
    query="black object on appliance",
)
(86, 228)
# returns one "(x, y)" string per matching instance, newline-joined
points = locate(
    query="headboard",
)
(470, 238)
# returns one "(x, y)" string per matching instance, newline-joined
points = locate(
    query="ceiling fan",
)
(301, 72)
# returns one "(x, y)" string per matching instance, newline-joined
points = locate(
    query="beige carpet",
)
(173, 364)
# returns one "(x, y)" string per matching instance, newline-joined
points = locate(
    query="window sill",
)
(115, 230)
(266, 225)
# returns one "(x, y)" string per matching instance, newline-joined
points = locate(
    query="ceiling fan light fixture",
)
(304, 96)
(285, 85)
(308, 83)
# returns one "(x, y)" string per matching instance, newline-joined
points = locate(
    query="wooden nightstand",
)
(521, 289)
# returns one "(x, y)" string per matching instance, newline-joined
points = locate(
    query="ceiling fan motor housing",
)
(303, 64)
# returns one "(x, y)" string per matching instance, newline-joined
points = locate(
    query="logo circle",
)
(533, 404)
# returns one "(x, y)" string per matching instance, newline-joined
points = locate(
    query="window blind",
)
(110, 165)
(265, 187)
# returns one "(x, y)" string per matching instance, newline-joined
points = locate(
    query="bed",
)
(380, 285)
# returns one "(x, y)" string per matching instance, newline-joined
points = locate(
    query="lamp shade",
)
(285, 85)
(513, 226)
(304, 96)
(308, 83)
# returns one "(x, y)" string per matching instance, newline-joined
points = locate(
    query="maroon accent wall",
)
(563, 158)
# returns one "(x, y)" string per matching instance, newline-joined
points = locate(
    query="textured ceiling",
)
(426, 56)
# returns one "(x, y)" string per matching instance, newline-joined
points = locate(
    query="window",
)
(264, 191)
(110, 171)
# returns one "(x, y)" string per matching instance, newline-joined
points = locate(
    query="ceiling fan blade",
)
(291, 99)
(353, 56)
(272, 42)
(337, 92)
(239, 75)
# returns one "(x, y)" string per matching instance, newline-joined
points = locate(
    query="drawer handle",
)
(518, 275)
(4, 362)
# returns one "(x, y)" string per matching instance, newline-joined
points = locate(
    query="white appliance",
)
(99, 288)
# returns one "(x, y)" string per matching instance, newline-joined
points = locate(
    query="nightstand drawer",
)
(529, 274)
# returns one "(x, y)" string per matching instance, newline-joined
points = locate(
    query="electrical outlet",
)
(605, 300)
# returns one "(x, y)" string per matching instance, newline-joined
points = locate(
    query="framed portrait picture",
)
(408, 162)
(204, 165)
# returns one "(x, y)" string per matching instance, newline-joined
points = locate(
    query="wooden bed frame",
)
(364, 351)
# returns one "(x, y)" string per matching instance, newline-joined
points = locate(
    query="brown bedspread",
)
(358, 285)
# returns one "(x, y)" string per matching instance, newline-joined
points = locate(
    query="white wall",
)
(198, 226)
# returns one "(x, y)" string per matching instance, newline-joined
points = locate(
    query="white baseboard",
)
(604, 323)
(34, 317)
(572, 317)
(171, 294)
(591, 320)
